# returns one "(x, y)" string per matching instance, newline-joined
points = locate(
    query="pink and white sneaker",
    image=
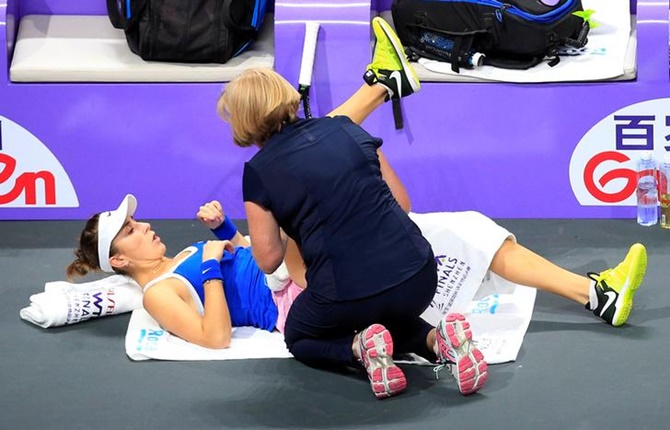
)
(376, 350)
(456, 351)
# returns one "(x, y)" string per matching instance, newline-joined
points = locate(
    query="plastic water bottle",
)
(647, 191)
(442, 47)
(664, 189)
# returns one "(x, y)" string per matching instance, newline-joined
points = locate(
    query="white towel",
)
(498, 322)
(464, 242)
(146, 340)
(68, 303)
(499, 311)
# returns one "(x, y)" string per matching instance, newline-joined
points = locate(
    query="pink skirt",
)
(284, 299)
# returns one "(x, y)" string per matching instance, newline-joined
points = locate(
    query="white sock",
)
(593, 296)
(436, 349)
(355, 348)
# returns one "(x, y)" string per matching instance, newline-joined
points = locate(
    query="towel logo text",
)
(451, 273)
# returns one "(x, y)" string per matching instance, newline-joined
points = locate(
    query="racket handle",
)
(308, 53)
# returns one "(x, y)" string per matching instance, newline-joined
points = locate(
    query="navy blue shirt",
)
(321, 180)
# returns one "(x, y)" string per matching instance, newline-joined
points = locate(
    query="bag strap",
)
(243, 29)
(462, 47)
(582, 37)
(124, 13)
(114, 13)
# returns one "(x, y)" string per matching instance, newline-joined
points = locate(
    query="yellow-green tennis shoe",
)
(614, 288)
(390, 66)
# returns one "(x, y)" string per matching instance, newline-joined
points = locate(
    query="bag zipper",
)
(514, 10)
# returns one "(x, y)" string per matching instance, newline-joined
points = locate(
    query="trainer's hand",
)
(211, 214)
(213, 249)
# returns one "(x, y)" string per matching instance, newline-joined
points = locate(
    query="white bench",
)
(84, 48)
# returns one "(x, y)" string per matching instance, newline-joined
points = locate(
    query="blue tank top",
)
(249, 299)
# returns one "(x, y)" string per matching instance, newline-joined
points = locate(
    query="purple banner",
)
(508, 150)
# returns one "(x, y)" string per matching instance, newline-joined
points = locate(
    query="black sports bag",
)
(188, 31)
(514, 34)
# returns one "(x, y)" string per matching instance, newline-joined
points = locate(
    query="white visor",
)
(109, 225)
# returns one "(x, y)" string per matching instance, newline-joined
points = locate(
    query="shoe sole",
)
(386, 379)
(470, 369)
(634, 279)
(400, 50)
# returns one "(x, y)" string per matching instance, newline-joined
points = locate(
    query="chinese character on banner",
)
(634, 135)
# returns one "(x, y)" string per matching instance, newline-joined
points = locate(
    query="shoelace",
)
(602, 275)
(442, 365)
(600, 280)
(438, 368)
(599, 277)
(389, 52)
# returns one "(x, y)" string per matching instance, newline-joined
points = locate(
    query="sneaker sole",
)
(386, 379)
(633, 281)
(400, 50)
(470, 368)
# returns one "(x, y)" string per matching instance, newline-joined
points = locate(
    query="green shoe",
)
(390, 67)
(615, 288)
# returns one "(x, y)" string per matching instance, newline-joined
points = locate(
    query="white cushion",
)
(85, 48)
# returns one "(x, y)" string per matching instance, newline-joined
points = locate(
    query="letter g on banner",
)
(598, 190)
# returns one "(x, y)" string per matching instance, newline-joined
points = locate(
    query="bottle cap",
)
(645, 155)
(478, 59)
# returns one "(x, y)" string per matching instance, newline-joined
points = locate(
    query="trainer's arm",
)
(268, 244)
(393, 181)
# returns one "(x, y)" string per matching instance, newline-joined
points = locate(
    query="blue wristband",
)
(210, 269)
(225, 231)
